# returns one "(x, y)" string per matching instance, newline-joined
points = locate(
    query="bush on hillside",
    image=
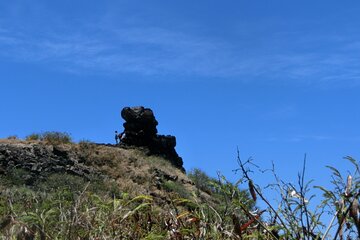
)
(33, 137)
(176, 187)
(12, 137)
(56, 137)
(50, 137)
(201, 180)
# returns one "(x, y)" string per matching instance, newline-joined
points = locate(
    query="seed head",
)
(348, 186)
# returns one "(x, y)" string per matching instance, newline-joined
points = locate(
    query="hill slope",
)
(132, 169)
(97, 191)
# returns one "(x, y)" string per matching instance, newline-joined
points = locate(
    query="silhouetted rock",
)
(140, 130)
(140, 126)
(139, 115)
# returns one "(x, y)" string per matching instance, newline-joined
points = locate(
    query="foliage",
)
(15, 177)
(63, 206)
(50, 137)
(201, 180)
(68, 207)
(86, 145)
(176, 187)
(12, 137)
(295, 216)
(68, 214)
(33, 137)
(343, 202)
(56, 137)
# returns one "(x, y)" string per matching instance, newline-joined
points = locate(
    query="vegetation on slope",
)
(137, 196)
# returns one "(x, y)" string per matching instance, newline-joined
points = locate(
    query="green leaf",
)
(141, 197)
(335, 171)
(327, 193)
(353, 161)
(129, 213)
(182, 200)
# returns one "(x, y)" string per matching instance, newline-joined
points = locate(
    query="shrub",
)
(75, 184)
(85, 144)
(201, 180)
(61, 181)
(55, 215)
(33, 137)
(297, 215)
(50, 137)
(16, 177)
(176, 187)
(12, 137)
(56, 137)
(86, 148)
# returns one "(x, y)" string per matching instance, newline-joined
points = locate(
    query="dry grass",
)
(5, 140)
(131, 168)
(145, 210)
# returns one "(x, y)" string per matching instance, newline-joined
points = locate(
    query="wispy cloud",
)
(155, 50)
(145, 51)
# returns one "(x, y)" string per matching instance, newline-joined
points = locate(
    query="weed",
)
(33, 137)
(56, 138)
(12, 137)
(15, 176)
(50, 137)
(201, 180)
(173, 186)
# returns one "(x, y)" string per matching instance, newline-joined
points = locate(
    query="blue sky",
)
(277, 79)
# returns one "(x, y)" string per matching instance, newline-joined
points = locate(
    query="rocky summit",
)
(140, 130)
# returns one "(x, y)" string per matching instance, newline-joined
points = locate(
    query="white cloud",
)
(158, 51)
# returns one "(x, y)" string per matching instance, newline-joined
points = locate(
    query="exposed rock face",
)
(140, 130)
(140, 126)
(40, 160)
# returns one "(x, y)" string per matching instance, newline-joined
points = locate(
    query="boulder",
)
(140, 126)
(140, 130)
(140, 114)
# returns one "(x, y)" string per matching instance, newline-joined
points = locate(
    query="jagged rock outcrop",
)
(39, 160)
(140, 126)
(140, 130)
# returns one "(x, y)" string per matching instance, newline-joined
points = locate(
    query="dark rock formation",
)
(140, 130)
(140, 126)
(40, 160)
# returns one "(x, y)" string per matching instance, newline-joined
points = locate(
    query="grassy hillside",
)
(99, 191)
(52, 188)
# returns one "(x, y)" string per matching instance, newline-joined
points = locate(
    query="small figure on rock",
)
(116, 137)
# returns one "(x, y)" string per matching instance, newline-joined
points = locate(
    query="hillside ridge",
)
(133, 169)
